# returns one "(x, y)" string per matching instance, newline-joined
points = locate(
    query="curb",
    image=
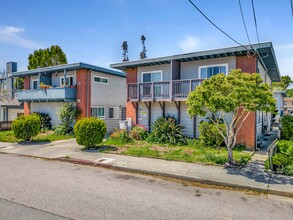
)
(179, 177)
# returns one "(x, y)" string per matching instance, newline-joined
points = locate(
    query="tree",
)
(19, 83)
(143, 52)
(46, 57)
(230, 99)
(286, 81)
(125, 51)
(289, 93)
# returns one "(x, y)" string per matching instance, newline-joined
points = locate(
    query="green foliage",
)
(167, 131)
(90, 131)
(26, 127)
(138, 133)
(283, 160)
(227, 96)
(209, 134)
(289, 93)
(286, 81)
(120, 136)
(19, 83)
(46, 57)
(287, 127)
(67, 115)
(45, 121)
(288, 170)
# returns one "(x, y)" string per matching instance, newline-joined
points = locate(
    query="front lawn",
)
(192, 153)
(8, 136)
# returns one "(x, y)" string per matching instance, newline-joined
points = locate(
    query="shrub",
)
(90, 131)
(67, 115)
(45, 121)
(26, 127)
(287, 127)
(288, 170)
(209, 134)
(120, 136)
(167, 131)
(138, 133)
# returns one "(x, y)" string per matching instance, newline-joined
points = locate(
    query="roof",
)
(265, 49)
(68, 67)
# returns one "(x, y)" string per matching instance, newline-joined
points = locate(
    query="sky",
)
(92, 31)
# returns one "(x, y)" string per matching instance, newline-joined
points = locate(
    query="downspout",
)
(87, 92)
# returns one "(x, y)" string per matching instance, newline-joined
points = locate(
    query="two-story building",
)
(96, 91)
(160, 86)
(288, 105)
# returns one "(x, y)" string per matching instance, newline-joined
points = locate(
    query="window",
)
(35, 84)
(69, 81)
(155, 76)
(209, 71)
(99, 79)
(98, 112)
(114, 113)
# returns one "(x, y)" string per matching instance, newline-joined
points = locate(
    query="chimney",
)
(11, 67)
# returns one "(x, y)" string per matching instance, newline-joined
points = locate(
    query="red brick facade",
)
(83, 92)
(131, 77)
(26, 105)
(247, 133)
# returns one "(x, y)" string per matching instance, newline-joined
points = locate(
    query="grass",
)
(8, 136)
(192, 153)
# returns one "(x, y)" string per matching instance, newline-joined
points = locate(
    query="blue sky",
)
(92, 31)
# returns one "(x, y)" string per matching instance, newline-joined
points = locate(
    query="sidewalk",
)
(250, 177)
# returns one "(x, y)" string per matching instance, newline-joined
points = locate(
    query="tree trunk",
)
(230, 156)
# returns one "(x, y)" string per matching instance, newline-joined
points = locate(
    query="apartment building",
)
(96, 91)
(288, 105)
(160, 86)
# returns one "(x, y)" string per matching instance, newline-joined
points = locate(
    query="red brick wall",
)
(83, 92)
(26, 105)
(131, 77)
(247, 133)
(26, 82)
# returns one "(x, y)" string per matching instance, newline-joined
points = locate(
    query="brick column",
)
(247, 133)
(131, 77)
(26, 105)
(83, 92)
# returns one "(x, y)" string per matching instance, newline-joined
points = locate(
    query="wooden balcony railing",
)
(162, 91)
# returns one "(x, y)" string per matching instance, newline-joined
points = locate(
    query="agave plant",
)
(167, 131)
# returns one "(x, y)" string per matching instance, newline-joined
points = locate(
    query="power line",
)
(292, 7)
(216, 25)
(239, 1)
(255, 22)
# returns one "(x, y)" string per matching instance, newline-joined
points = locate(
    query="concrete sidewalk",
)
(250, 177)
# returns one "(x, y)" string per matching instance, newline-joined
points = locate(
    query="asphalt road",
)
(40, 189)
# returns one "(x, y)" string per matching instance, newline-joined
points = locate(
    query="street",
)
(41, 189)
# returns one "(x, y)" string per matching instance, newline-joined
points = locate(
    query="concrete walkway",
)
(250, 177)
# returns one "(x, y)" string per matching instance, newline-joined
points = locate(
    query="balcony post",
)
(171, 90)
(190, 87)
(138, 92)
(152, 91)
(64, 75)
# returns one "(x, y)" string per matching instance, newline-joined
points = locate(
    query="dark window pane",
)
(210, 71)
(223, 69)
(147, 77)
(111, 112)
(216, 70)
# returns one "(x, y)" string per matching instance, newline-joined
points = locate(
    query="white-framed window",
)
(152, 76)
(212, 70)
(113, 113)
(69, 81)
(35, 83)
(98, 112)
(99, 79)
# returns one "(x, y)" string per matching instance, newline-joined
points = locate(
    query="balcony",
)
(47, 95)
(174, 90)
